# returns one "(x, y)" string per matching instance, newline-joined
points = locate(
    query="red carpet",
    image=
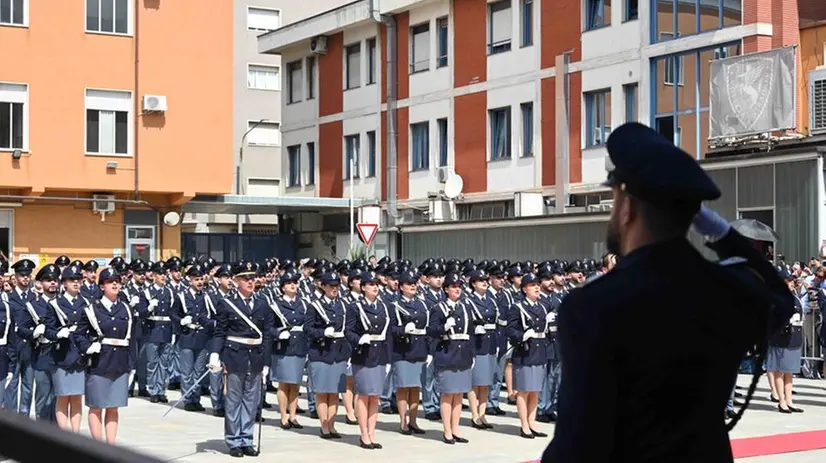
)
(778, 443)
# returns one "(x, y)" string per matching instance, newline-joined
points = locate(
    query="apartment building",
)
(112, 114)
(257, 94)
(515, 96)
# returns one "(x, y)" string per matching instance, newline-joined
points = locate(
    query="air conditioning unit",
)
(154, 103)
(318, 45)
(411, 216)
(103, 203)
(817, 98)
(443, 174)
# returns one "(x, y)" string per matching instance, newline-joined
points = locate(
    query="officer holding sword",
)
(193, 339)
(243, 340)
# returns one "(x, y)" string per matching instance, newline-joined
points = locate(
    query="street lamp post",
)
(240, 226)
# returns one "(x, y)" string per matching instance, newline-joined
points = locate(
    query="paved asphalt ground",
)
(198, 437)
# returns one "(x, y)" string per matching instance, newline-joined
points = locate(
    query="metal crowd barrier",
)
(811, 353)
(28, 441)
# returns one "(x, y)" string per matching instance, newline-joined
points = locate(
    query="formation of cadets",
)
(387, 336)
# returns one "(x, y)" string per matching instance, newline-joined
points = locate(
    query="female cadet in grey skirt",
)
(290, 350)
(329, 352)
(450, 324)
(485, 315)
(783, 355)
(104, 332)
(411, 344)
(69, 377)
(527, 325)
(368, 322)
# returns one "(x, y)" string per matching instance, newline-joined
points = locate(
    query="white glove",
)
(364, 339)
(134, 301)
(265, 373)
(528, 334)
(479, 330)
(551, 317)
(429, 360)
(186, 321)
(709, 223)
(409, 328)
(214, 362)
(39, 330)
(284, 335)
(93, 349)
(796, 320)
(329, 331)
(152, 304)
(450, 323)
(63, 333)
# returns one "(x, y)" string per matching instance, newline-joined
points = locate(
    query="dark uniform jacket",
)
(291, 317)
(374, 320)
(115, 322)
(66, 315)
(321, 314)
(193, 336)
(233, 327)
(616, 401)
(412, 347)
(451, 353)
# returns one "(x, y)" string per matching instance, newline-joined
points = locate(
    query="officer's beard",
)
(613, 237)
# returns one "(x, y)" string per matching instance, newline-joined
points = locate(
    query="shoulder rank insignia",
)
(733, 261)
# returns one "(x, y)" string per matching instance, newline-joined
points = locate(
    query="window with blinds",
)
(263, 77)
(263, 19)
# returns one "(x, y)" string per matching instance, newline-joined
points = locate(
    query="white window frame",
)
(274, 67)
(258, 123)
(263, 8)
(667, 60)
(290, 82)
(422, 65)
(8, 213)
(504, 45)
(100, 104)
(130, 7)
(8, 95)
(148, 241)
(25, 22)
(268, 179)
(299, 181)
(347, 84)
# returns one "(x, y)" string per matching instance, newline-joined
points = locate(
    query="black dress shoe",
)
(474, 425)
(190, 408)
(218, 413)
(300, 410)
(314, 415)
(267, 405)
(433, 416)
(163, 399)
(236, 452)
(460, 440)
(416, 429)
(465, 407)
(349, 421)
(497, 412)
(295, 424)
(450, 441)
(730, 414)
(131, 393)
(777, 401)
(174, 386)
(526, 435)
(538, 434)
(286, 426)
(511, 401)
(365, 446)
(335, 435)
(144, 393)
(387, 411)
(738, 394)
(487, 425)
(327, 436)
(783, 410)
(377, 446)
(543, 418)
(155, 399)
(405, 432)
(250, 451)
(795, 409)
(552, 416)
(271, 388)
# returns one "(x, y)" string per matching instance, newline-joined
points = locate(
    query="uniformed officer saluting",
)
(243, 340)
(613, 384)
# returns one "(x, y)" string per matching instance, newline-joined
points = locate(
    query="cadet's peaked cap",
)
(48, 272)
(652, 169)
(108, 274)
(71, 273)
(23, 267)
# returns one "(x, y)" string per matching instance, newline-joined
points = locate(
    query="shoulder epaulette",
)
(733, 261)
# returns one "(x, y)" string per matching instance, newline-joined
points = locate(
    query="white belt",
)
(489, 326)
(502, 322)
(115, 342)
(538, 336)
(43, 341)
(552, 329)
(456, 337)
(337, 335)
(298, 328)
(159, 318)
(246, 341)
(194, 326)
(377, 337)
(418, 332)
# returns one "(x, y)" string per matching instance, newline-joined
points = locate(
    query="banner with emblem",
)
(753, 94)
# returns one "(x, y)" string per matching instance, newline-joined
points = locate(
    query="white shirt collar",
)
(289, 298)
(107, 303)
(69, 298)
(157, 287)
(192, 291)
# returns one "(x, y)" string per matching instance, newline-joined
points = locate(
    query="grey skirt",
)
(483, 370)
(289, 369)
(453, 381)
(327, 378)
(69, 382)
(369, 381)
(783, 360)
(528, 378)
(408, 374)
(107, 392)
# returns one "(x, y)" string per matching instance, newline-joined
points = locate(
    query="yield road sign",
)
(367, 231)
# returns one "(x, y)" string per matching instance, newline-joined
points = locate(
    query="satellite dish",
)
(171, 219)
(453, 186)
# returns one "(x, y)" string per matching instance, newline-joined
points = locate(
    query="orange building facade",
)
(129, 99)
